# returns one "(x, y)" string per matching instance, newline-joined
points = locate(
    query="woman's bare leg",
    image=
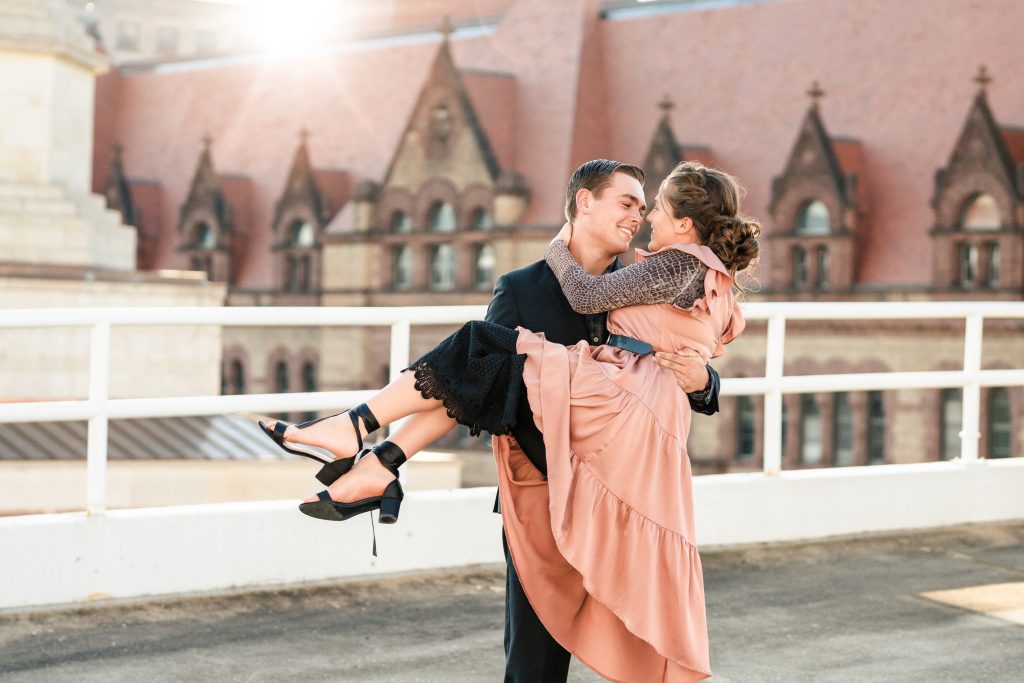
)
(395, 401)
(370, 478)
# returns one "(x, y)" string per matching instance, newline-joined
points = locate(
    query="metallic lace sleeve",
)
(670, 277)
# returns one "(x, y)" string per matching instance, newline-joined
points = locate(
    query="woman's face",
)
(666, 229)
(663, 225)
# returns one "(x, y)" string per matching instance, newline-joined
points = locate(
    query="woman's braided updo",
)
(711, 199)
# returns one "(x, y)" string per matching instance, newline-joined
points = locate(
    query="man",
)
(605, 205)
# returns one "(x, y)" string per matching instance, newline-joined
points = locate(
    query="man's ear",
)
(583, 199)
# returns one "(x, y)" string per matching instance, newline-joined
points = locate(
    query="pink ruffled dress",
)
(605, 545)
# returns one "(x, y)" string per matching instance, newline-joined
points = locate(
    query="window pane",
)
(205, 239)
(813, 219)
(206, 42)
(799, 267)
(167, 40)
(968, 256)
(876, 428)
(810, 430)
(999, 423)
(237, 377)
(400, 222)
(485, 262)
(982, 213)
(842, 431)
(821, 278)
(992, 259)
(127, 35)
(301, 234)
(745, 425)
(281, 377)
(403, 268)
(442, 217)
(481, 219)
(952, 420)
(442, 267)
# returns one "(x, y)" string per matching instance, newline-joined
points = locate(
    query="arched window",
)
(485, 262)
(745, 426)
(951, 416)
(400, 222)
(237, 377)
(301, 234)
(205, 239)
(813, 219)
(308, 385)
(810, 430)
(799, 267)
(281, 377)
(998, 423)
(402, 277)
(876, 428)
(442, 267)
(842, 431)
(480, 219)
(441, 217)
(981, 213)
(281, 382)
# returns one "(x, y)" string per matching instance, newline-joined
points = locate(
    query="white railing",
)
(98, 409)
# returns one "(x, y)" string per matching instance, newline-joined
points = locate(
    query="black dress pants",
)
(531, 654)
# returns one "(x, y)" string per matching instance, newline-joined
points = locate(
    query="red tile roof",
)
(898, 78)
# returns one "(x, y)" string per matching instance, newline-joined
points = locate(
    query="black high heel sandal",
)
(389, 455)
(333, 468)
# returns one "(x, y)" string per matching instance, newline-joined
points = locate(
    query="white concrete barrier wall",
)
(72, 558)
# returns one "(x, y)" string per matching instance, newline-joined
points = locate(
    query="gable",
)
(444, 139)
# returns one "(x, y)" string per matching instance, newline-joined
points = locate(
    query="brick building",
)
(413, 167)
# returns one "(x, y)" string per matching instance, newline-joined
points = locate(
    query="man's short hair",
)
(595, 176)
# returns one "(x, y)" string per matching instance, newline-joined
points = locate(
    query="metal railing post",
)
(773, 364)
(96, 445)
(970, 435)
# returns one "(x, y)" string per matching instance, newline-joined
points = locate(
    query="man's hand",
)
(690, 370)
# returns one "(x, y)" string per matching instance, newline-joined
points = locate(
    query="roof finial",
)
(446, 28)
(815, 93)
(982, 79)
(666, 104)
(303, 134)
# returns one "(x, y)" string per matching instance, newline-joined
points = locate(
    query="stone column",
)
(48, 67)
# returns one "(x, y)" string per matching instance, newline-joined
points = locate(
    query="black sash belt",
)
(621, 341)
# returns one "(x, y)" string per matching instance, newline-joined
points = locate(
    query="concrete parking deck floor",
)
(847, 610)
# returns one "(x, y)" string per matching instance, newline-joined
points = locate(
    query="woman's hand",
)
(565, 234)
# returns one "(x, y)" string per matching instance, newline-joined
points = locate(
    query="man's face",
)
(613, 216)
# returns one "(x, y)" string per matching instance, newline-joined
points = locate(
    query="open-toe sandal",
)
(332, 467)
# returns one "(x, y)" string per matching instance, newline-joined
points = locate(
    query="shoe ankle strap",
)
(362, 411)
(390, 455)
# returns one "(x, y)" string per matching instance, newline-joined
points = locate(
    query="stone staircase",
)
(43, 225)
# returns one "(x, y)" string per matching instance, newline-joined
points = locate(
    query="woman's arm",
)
(670, 277)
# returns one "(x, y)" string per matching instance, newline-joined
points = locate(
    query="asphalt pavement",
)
(938, 606)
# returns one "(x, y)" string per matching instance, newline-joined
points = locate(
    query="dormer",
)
(816, 209)
(205, 227)
(979, 206)
(300, 216)
(663, 154)
(449, 184)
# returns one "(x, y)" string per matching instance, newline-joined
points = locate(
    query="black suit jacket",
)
(531, 297)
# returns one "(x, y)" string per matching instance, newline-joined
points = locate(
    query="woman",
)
(604, 546)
